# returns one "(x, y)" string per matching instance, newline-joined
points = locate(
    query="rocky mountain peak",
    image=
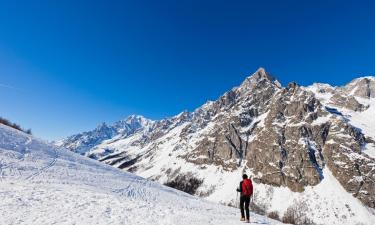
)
(184, 115)
(258, 76)
(137, 120)
(293, 85)
(102, 126)
(132, 123)
(256, 83)
(363, 87)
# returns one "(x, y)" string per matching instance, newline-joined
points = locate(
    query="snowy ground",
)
(43, 185)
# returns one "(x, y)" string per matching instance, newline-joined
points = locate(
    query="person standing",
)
(246, 190)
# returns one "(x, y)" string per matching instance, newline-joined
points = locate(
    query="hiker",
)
(246, 190)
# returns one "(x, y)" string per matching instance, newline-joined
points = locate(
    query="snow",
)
(370, 150)
(321, 120)
(327, 202)
(40, 184)
(321, 91)
(365, 121)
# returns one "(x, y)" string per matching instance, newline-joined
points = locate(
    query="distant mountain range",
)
(309, 146)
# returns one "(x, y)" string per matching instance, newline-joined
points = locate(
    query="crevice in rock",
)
(128, 163)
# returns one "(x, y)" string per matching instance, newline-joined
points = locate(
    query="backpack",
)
(247, 187)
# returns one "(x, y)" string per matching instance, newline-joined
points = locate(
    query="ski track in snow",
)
(43, 169)
(43, 185)
(22, 158)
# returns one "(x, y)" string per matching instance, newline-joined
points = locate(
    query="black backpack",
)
(239, 189)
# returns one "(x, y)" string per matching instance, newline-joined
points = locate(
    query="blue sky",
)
(66, 66)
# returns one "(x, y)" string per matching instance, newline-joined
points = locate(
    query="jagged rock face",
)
(226, 144)
(355, 171)
(294, 149)
(346, 96)
(363, 87)
(283, 136)
(348, 102)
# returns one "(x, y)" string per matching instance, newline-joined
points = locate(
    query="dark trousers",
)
(245, 201)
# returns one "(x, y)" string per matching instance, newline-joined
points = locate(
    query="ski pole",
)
(252, 198)
(236, 199)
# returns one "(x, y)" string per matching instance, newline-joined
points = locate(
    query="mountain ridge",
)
(244, 83)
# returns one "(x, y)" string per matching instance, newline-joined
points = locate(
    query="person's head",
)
(244, 176)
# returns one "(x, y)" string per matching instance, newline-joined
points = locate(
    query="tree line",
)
(14, 125)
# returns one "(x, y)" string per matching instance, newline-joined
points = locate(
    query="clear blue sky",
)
(67, 65)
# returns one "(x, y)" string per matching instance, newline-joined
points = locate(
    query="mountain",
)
(82, 143)
(42, 184)
(311, 147)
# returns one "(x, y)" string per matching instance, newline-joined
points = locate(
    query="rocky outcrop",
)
(361, 87)
(355, 171)
(348, 102)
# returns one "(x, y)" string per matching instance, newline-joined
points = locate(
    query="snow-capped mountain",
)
(307, 146)
(82, 143)
(41, 184)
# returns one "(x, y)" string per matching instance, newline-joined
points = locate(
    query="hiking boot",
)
(242, 219)
(247, 221)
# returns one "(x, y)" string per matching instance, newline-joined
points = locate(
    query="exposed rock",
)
(361, 87)
(348, 102)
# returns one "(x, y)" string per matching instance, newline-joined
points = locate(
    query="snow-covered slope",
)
(40, 184)
(306, 146)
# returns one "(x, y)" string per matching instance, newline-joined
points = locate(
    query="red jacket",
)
(247, 187)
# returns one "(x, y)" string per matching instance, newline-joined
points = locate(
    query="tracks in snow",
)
(43, 169)
(23, 153)
(16, 162)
